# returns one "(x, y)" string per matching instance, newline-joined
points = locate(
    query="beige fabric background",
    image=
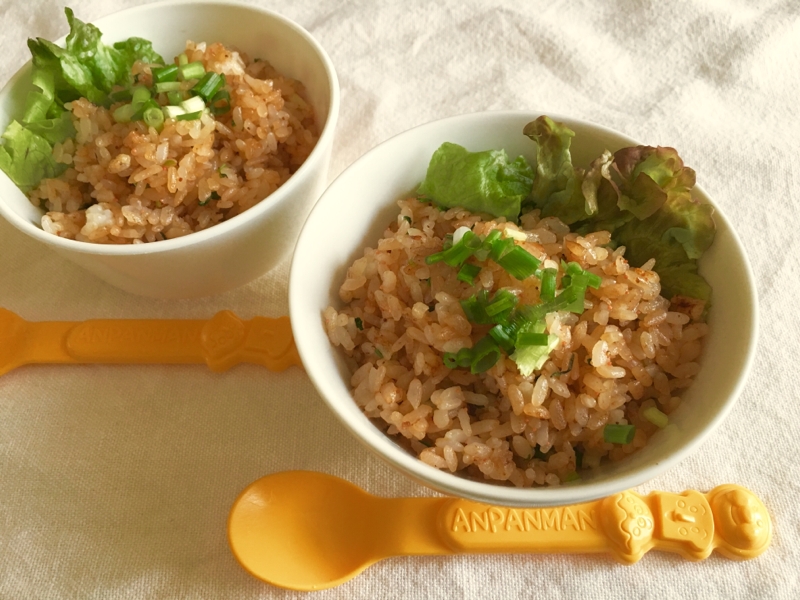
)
(115, 481)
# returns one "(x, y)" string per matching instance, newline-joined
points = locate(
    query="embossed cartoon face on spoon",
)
(308, 531)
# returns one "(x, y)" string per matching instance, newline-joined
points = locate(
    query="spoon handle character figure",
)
(730, 519)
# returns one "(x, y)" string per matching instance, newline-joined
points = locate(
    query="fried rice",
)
(129, 183)
(629, 350)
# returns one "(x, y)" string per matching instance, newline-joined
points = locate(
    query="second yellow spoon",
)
(308, 531)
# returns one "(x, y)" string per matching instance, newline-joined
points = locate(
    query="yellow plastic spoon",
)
(303, 530)
(221, 342)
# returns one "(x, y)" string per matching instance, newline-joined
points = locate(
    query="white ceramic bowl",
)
(236, 251)
(353, 212)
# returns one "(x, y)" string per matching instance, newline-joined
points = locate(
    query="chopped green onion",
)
(480, 310)
(140, 95)
(485, 354)
(525, 338)
(594, 280)
(500, 247)
(359, 324)
(193, 70)
(162, 74)
(457, 253)
(193, 104)
(462, 358)
(154, 117)
(467, 273)
(503, 301)
(482, 253)
(548, 291)
(572, 477)
(120, 96)
(140, 99)
(124, 113)
(378, 352)
(656, 417)
(619, 434)
(209, 85)
(434, 258)
(221, 104)
(209, 198)
(173, 112)
(577, 306)
(186, 116)
(183, 59)
(518, 262)
(139, 114)
(167, 86)
(461, 251)
(474, 308)
(500, 334)
(574, 270)
(525, 316)
(567, 370)
(174, 98)
(563, 301)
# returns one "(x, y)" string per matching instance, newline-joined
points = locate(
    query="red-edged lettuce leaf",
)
(641, 194)
(554, 173)
(675, 236)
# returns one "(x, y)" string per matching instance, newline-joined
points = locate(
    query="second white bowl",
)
(357, 207)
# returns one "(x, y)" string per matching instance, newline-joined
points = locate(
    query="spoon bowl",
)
(289, 526)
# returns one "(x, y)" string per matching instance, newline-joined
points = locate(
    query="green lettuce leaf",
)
(85, 67)
(532, 358)
(72, 78)
(481, 182)
(46, 59)
(134, 49)
(54, 130)
(27, 158)
(84, 45)
(41, 97)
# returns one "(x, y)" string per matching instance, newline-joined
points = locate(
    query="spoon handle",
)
(221, 342)
(729, 519)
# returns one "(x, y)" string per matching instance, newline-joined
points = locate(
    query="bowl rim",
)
(314, 159)
(444, 481)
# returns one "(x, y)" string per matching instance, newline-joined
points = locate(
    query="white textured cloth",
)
(116, 481)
